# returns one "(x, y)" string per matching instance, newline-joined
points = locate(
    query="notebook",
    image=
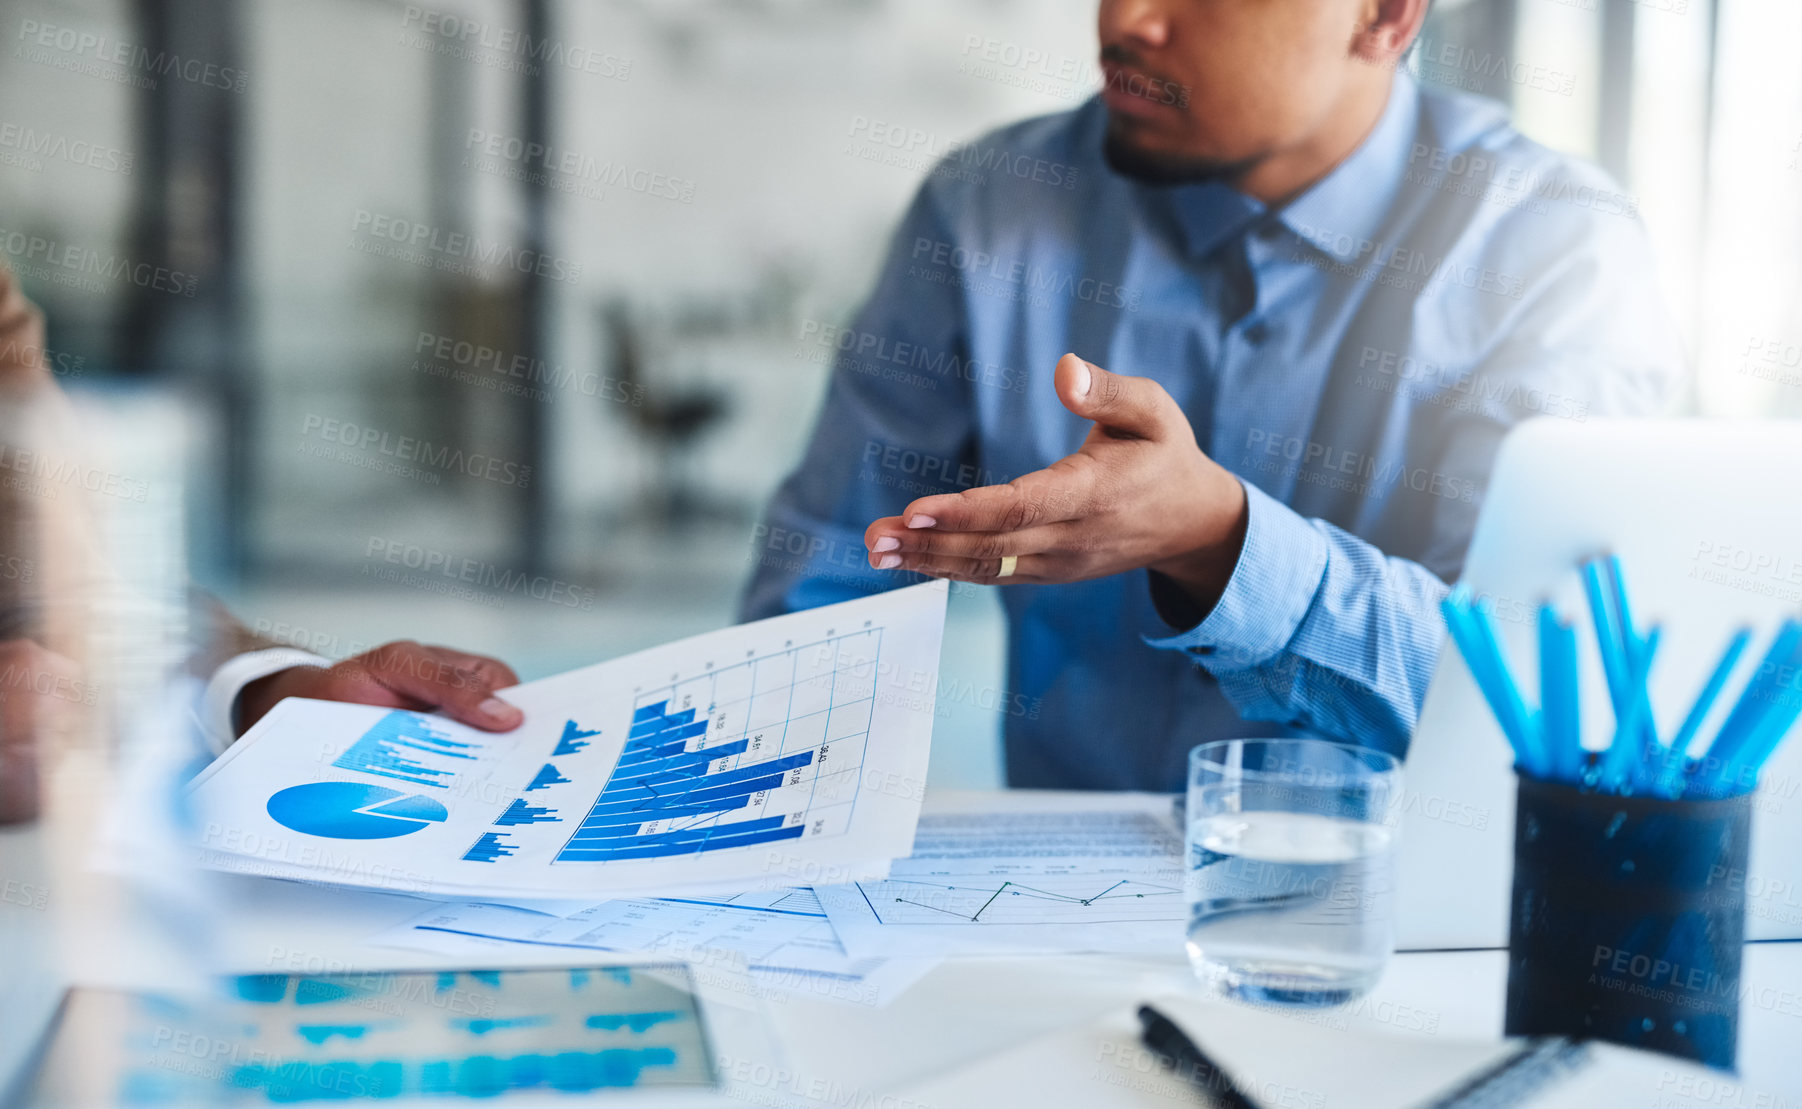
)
(1298, 1060)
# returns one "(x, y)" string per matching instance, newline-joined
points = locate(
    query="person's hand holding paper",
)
(401, 675)
(1139, 493)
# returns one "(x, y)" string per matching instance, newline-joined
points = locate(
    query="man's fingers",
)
(478, 678)
(466, 695)
(886, 528)
(981, 571)
(496, 673)
(350, 681)
(399, 675)
(910, 549)
(1049, 496)
(1135, 407)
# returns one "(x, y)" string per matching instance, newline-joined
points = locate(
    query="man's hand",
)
(401, 675)
(1140, 493)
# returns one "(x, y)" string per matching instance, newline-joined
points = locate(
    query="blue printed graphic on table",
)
(353, 810)
(377, 1036)
(408, 747)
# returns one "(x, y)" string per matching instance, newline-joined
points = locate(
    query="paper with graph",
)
(788, 751)
(1027, 874)
(780, 938)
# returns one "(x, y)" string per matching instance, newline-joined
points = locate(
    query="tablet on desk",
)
(468, 1034)
(1707, 518)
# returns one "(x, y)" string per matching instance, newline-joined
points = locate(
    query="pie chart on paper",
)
(353, 810)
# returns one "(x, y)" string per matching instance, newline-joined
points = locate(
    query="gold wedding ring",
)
(1008, 562)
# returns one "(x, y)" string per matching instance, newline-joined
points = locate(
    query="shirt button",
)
(1256, 334)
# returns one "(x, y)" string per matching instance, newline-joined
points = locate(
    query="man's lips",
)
(1134, 92)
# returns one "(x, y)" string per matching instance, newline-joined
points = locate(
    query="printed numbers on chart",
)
(825, 749)
(756, 742)
(819, 827)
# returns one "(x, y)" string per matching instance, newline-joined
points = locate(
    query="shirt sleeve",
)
(1316, 628)
(219, 701)
(1321, 629)
(897, 425)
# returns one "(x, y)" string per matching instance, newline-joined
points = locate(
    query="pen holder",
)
(1627, 918)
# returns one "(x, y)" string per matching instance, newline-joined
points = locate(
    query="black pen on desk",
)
(1181, 1054)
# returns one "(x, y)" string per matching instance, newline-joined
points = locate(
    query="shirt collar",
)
(1210, 213)
(1342, 213)
(1335, 214)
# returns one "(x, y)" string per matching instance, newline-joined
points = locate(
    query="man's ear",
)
(1386, 30)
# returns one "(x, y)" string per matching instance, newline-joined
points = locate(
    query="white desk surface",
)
(964, 1012)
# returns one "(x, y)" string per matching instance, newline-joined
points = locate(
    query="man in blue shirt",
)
(1325, 295)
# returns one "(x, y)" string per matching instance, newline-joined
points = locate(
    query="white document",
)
(1037, 873)
(781, 938)
(788, 751)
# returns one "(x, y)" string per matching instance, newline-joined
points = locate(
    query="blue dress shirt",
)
(1355, 357)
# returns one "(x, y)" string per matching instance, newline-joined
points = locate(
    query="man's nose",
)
(1146, 22)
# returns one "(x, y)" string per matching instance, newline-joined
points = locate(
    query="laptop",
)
(1707, 519)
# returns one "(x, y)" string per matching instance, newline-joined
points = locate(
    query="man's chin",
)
(1131, 159)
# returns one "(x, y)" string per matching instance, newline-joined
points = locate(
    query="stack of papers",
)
(1046, 874)
(749, 796)
(1023, 873)
(780, 939)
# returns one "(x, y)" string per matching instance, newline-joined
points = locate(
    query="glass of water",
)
(1291, 873)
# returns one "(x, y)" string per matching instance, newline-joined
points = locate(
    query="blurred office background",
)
(281, 243)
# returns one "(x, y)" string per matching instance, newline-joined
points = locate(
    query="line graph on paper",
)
(760, 751)
(977, 900)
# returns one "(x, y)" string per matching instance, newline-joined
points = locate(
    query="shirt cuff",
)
(219, 704)
(1274, 583)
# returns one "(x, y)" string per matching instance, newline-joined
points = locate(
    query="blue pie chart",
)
(352, 810)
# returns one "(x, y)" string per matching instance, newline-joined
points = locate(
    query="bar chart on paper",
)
(408, 747)
(762, 751)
